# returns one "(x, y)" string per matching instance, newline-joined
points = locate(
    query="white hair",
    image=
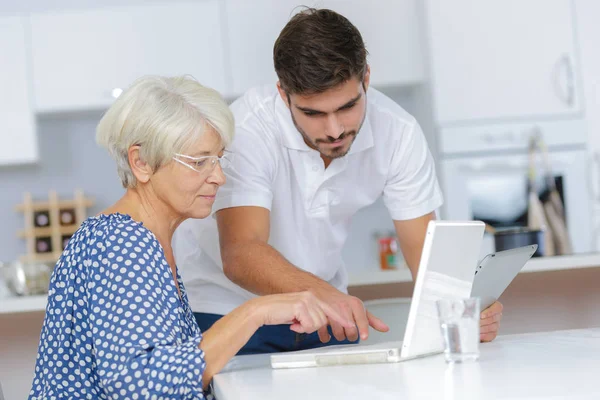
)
(163, 115)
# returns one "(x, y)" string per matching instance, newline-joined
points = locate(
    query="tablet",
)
(496, 271)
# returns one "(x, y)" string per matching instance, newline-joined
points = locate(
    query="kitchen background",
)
(481, 78)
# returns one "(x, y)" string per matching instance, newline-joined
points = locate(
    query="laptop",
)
(447, 267)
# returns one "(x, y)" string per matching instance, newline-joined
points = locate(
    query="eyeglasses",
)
(204, 164)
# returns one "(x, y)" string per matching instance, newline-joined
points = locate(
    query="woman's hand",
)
(302, 310)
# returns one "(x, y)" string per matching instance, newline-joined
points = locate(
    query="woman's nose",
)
(217, 175)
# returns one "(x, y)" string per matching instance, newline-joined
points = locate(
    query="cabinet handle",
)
(595, 176)
(570, 81)
(565, 64)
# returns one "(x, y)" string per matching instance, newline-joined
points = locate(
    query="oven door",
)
(493, 188)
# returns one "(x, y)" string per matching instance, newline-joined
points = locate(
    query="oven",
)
(484, 174)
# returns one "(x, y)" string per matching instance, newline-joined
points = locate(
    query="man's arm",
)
(248, 259)
(250, 262)
(411, 235)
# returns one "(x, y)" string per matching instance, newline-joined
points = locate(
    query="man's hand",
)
(302, 310)
(350, 308)
(490, 322)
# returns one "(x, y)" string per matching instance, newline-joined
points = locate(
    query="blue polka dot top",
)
(115, 326)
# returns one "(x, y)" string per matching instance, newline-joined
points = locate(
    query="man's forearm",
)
(260, 269)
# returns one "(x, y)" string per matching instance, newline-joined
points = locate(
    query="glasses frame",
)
(224, 161)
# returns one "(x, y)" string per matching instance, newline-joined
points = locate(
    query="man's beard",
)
(335, 152)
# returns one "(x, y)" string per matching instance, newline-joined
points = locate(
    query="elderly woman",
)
(118, 323)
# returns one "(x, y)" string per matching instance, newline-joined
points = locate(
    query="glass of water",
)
(459, 321)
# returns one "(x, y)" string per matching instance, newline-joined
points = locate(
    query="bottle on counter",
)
(388, 250)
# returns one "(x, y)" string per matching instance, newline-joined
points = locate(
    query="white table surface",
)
(549, 365)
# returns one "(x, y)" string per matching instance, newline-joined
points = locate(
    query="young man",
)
(308, 154)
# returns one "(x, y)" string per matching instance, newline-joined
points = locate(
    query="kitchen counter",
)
(371, 276)
(23, 304)
(556, 365)
(377, 276)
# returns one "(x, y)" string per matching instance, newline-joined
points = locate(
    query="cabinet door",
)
(588, 33)
(389, 29)
(80, 57)
(18, 142)
(497, 59)
(252, 28)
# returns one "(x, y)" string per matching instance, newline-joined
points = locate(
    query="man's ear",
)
(283, 94)
(140, 169)
(367, 78)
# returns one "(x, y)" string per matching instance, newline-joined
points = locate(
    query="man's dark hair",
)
(317, 50)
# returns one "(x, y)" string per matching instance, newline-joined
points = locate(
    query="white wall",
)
(27, 6)
(69, 159)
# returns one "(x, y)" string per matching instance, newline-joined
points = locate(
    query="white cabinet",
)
(588, 30)
(252, 27)
(18, 142)
(500, 59)
(588, 33)
(389, 29)
(391, 32)
(79, 57)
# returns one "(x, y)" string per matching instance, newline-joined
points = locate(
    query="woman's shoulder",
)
(105, 232)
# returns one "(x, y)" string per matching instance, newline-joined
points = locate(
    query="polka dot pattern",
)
(115, 327)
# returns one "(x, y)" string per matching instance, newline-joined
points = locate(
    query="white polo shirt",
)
(310, 207)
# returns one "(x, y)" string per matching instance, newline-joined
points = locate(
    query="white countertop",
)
(370, 276)
(22, 304)
(376, 276)
(551, 365)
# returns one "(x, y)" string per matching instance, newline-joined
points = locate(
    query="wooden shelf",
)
(53, 236)
(42, 257)
(48, 231)
(45, 205)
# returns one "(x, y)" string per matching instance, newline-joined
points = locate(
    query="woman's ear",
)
(140, 169)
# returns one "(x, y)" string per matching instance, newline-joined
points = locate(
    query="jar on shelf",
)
(43, 244)
(41, 219)
(388, 251)
(67, 216)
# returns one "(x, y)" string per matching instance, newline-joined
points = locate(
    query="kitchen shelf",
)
(401, 275)
(378, 277)
(9, 305)
(22, 304)
(558, 263)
